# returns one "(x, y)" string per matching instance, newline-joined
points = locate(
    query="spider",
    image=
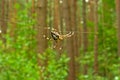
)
(57, 36)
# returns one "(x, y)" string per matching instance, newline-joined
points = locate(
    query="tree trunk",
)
(118, 23)
(57, 24)
(41, 31)
(33, 7)
(96, 38)
(79, 36)
(12, 17)
(2, 20)
(91, 13)
(75, 36)
(41, 21)
(69, 44)
(56, 15)
(85, 38)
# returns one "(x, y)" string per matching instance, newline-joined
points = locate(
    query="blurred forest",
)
(28, 50)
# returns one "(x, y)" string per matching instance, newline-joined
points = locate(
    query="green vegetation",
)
(19, 59)
(54, 66)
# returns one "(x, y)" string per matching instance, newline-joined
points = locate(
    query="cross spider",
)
(56, 36)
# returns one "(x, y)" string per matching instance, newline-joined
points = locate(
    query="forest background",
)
(27, 49)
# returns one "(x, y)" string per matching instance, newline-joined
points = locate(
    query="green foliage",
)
(108, 60)
(91, 77)
(18, 60)
(54, 66)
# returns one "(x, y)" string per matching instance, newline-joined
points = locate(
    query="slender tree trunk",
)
(50, 13)
(74, 26)
(2, 20)
(33, 7)
(79, 35)
(57, 23)
(62, 26)
(41, 31)
(56, 15)
(69, 44)
(91, 13)
(96, 38)
(103, 34)
(12, 17)
(41, 21)
(118, 23)
(76, 33)
(85, 38)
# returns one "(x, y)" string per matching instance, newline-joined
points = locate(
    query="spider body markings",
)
(56, 36)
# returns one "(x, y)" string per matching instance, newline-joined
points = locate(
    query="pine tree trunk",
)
(41, 21)
(57, 24)
(68, 15)
(118, 25)
(12, 17)
(41, 31)
(118, 22)
(3, 20)
(96, 37)
(85, 35)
